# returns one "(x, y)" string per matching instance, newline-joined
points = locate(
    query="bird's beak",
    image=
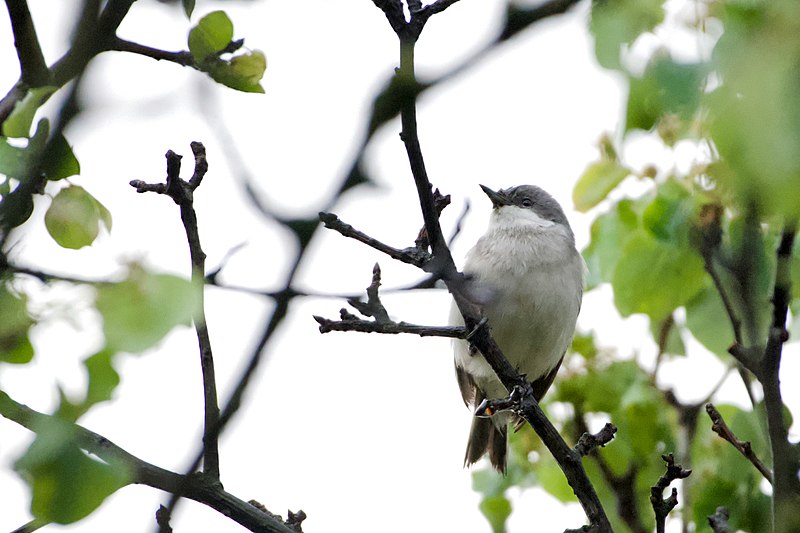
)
(498, 198)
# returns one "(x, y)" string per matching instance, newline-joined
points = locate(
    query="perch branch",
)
(443, 266)
(181, 193)
(744, 447)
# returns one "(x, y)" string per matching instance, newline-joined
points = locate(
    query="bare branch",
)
(744, 447)
(183, 58)
(33, 69)
(412, 256)
(193, 487)
(588, 441)
(181, 193)
(661, 506)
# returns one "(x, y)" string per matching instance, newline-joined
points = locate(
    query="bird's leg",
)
(488, 408)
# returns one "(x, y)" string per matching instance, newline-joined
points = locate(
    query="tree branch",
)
(785, 465)
(183, 58)
(624, 487)
(588, 442)
(194, 487)
(33, 69)
(181, 193)
(411, 256)
(443, 266)
(661, 506)
(721, 428)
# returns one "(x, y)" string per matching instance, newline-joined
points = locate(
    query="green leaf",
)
(103, 379)
(60, 162)
(188, 7)
(496, 509)
(599, 179)
(210, 36)
(55, 160)
(754, 112)
(73, 218)
(552, 479)
(140, 311)
(708, 322)
(66, 484)
(15, 322)
(20, 163)
(617, 23)
(243, 72)
(655, 277)
(609, 233)
(669, 216)
(18, 123)
(667, 87)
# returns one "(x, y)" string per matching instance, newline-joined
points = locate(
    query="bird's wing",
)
(470, 392)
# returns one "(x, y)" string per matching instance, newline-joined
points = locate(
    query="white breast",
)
(532, 277)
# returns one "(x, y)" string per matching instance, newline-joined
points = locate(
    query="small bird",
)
(527, 276)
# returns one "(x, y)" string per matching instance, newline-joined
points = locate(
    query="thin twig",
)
(183, 57)
(662, 506)
(181, 193)
(719, 427)
(412, 256)
(589, 441)
(392, 328)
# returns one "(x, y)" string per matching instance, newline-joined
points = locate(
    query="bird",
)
(526, 275)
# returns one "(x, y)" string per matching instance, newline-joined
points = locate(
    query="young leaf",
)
(73, 218)
(15, 347)
(655, 277)
(66, 484)
(60, 162)
(243, 72)
(599, 179)
(18, 123)
(140, 311)
(16, 162)
(211, 35)
(188, 7)
(103, 378)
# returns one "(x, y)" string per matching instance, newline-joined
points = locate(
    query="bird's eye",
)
(527, 202)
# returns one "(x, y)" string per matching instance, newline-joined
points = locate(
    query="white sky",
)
(363, 432)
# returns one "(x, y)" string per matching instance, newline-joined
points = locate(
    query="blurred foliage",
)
(735, 106)
(137, 312)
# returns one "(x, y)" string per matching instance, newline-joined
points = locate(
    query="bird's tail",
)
(488, 435)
